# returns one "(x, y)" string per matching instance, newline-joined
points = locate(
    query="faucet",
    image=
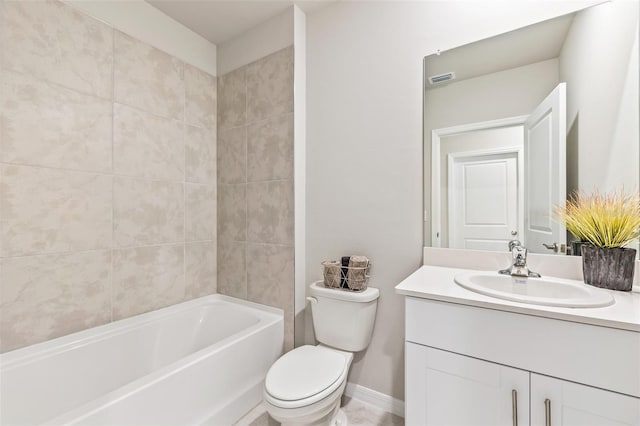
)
(518, 266)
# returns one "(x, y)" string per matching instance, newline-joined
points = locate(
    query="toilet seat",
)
(305, 376)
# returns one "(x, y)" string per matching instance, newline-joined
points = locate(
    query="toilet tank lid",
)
(319, 290)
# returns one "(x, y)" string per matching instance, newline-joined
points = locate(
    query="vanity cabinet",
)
(470, 365)
(445, 388)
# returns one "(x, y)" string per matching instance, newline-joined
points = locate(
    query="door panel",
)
(545, 177)
(483, 201)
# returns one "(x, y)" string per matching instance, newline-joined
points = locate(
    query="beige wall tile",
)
(232, 268)
(47, 125)
(52, 41)
(43, 297)
(95, 153)
(232, 212)
(147, 212)
(200, 155)
(270, 212)
(232, 155)
(270, 149)
(200, 269)
(147, 278)
(147, 145)
(232, 99)
(201, 98)
(270, 280)
(200, 212)
(147, 78)
(270, 85)
(48, 211)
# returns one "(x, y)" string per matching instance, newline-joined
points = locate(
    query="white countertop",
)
(436, 283)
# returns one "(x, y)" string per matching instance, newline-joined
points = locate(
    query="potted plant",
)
(606, 223)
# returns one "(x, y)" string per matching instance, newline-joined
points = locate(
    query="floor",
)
(358, 414)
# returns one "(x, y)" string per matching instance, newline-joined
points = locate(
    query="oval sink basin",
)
(546, 291)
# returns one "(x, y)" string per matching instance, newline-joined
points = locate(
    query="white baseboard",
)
(375, 398)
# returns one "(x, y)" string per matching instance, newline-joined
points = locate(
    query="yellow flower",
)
(609, 220)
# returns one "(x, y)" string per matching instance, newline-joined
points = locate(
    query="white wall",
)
(260, 41)
(502, 94)
(599, 62)
(364, 142)
(146, 23)
(300, 167)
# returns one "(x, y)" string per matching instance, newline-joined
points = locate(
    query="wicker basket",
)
(353, 278)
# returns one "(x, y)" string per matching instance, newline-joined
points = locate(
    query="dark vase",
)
(610, 268)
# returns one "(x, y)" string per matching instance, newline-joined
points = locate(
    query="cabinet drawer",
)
(588, 354)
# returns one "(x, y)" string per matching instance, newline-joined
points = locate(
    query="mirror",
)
(492, 168)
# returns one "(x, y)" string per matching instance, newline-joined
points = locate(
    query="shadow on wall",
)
(573, 155)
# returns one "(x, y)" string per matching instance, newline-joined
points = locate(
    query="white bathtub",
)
(199, 362)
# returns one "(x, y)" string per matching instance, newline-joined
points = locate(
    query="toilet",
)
(305, 385)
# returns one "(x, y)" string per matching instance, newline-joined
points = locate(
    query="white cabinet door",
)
(443, 388)
(571, 404)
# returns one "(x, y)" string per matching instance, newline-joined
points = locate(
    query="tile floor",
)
(358, 414)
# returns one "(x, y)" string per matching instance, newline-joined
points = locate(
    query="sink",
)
(548, 291)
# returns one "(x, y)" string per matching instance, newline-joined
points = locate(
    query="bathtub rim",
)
(28, 354)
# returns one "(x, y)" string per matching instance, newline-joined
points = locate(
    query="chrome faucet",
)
(518, 266)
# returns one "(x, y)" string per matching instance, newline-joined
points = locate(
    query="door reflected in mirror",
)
(516, 122)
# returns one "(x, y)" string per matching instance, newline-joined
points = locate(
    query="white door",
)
(571, 404)
(545, 179)
(483, 201)
(449, 389)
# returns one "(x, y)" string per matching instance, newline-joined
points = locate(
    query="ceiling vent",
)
(437, 79)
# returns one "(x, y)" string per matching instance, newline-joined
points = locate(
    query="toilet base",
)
(340, 419)
(336, 417)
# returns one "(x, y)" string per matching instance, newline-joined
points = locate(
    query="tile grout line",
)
(105, 249)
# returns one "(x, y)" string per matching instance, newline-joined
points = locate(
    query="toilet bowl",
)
(305, 385)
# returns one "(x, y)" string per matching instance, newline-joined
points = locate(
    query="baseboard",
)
(375, 398)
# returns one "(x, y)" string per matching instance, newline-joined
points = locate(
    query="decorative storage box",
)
(354, 278)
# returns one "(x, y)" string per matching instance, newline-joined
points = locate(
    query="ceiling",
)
(222, 20)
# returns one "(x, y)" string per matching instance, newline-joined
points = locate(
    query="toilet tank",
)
(343, 319)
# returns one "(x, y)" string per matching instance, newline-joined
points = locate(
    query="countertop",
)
(437, 283)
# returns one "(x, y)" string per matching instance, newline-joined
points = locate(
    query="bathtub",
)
(199, 362)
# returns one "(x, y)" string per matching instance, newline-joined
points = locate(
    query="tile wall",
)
(255, 184)
(107, 175)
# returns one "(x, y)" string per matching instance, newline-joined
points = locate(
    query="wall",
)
(364, 142)
(255, 184)
(107, 175)
(599, 62)
(262, 40)
(300, 170)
